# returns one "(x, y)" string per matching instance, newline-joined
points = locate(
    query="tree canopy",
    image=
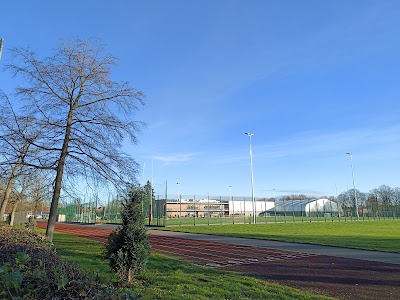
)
(83, 114)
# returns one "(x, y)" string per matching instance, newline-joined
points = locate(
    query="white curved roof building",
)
(305, 207)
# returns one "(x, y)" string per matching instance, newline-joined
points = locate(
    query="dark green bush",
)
(128, 248)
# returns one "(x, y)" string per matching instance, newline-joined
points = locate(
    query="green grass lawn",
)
(371, 235)
(168, 278)
(236, 220)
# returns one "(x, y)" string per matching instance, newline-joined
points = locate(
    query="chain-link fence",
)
(210, 210)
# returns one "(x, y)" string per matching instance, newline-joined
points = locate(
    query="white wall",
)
(239, 207)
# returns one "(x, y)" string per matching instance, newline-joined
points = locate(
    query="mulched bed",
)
(342, 278)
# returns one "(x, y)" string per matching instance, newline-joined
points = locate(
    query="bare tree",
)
(384, 196)
(396, 200)
(37, 187)
(347, 200)
(385, 193)
(86, 113)
(16, 135)
(16, 199)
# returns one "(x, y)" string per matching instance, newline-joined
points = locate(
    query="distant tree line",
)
(383, 201)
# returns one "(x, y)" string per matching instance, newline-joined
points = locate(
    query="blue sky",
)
(311, 80)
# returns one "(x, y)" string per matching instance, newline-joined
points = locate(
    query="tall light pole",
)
(354, 185)
(1, 46)
(252, 178)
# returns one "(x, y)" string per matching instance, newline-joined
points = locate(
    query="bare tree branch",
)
(86, 115)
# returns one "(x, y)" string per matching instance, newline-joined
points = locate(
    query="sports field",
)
(339, 277)
(383, 235)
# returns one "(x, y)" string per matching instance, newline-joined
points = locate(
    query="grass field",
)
(371, 235)
(167, 278)
(260, 219)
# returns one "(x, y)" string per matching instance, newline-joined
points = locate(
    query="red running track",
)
(343, 278)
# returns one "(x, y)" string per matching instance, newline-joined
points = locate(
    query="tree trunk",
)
(7, 192)
(58, 182)
(13, 213)
(130, 276)
(4, 201)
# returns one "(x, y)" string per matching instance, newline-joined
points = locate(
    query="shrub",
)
(30, 269)
(128, 247)
(31, 224)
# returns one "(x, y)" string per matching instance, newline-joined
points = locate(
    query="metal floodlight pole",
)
(354, 185)
(1, 46)
(252, 178)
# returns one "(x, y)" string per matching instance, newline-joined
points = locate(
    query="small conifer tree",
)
(128, 247)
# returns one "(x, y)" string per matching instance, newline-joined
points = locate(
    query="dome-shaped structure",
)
(313, 207)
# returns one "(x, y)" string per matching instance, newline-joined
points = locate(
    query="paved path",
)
(378, 256)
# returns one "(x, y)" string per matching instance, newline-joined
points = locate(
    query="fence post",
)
(180, 210)
(194, 209)
(220, 208)
(233, 210)
(208, 203)
(244, 210)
